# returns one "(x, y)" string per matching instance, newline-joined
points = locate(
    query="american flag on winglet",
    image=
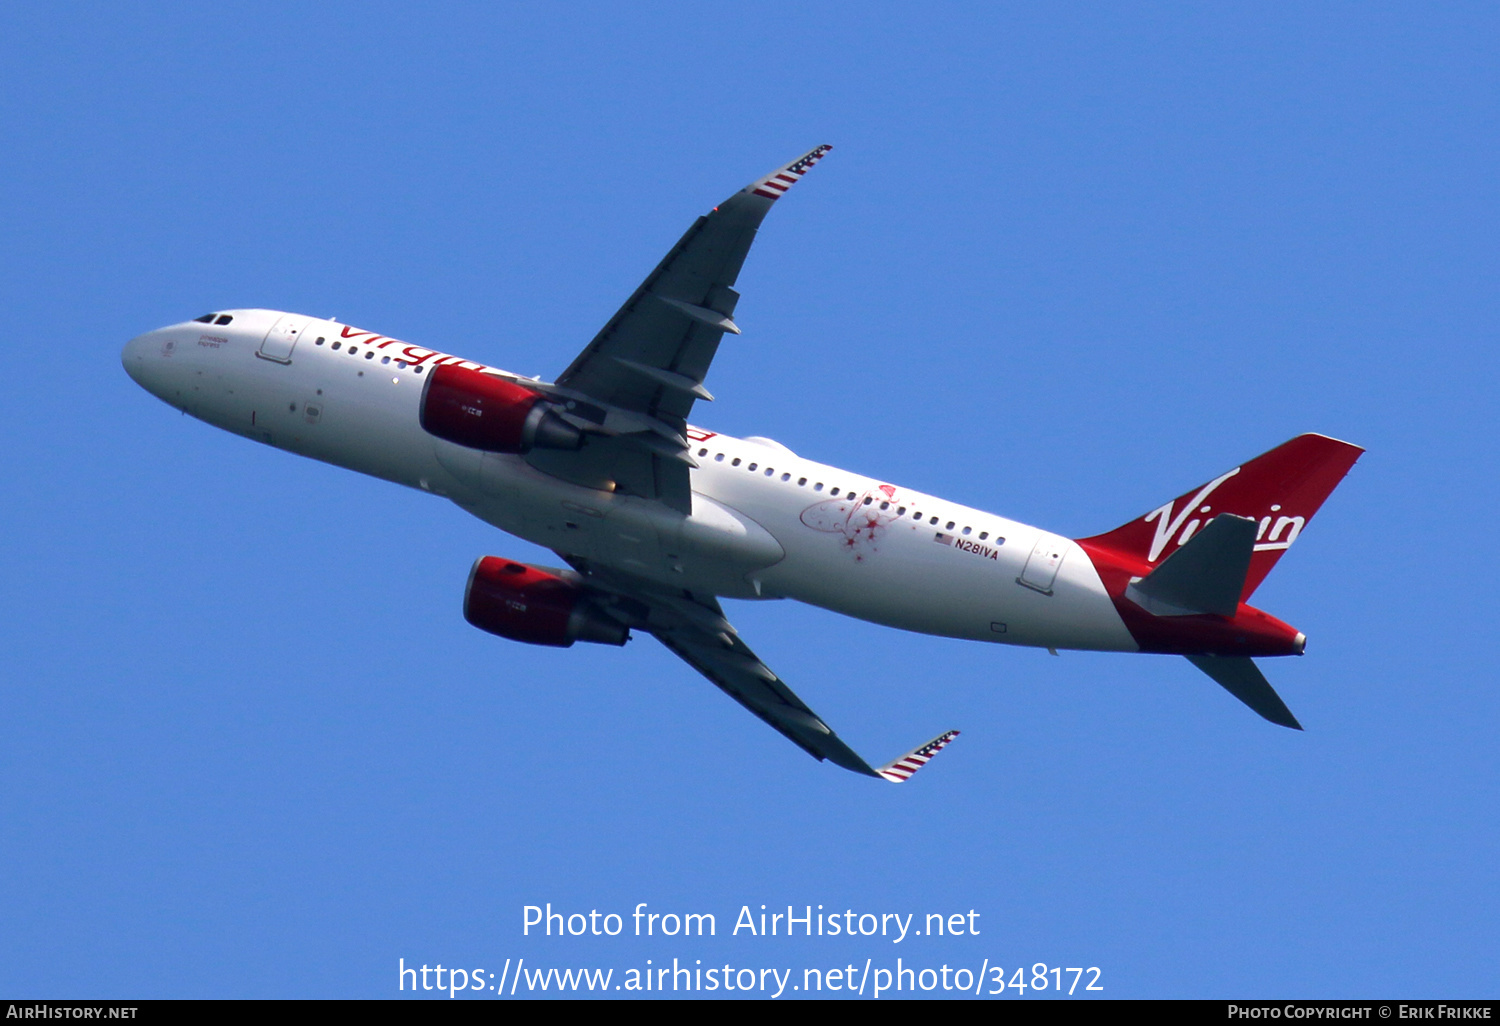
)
(904, 767)
(778, 182)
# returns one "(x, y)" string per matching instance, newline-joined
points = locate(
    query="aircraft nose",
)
(133, 357)
(144, 358)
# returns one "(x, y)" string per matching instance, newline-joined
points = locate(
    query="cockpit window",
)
(205, 319)
(224, 319)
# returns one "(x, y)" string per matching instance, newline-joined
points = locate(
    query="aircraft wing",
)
(634, 386)
(695, 629)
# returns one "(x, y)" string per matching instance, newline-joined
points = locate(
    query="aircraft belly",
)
(712, 551)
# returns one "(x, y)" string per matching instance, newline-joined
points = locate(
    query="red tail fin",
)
(1281, 490)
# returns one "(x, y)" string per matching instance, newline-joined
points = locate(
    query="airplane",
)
(657, 520)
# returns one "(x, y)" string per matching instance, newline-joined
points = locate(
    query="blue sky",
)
(1062, 264)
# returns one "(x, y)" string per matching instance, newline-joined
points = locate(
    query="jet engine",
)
(525, 603)
(482, 411)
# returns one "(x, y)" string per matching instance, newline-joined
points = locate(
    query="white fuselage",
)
(766, 523)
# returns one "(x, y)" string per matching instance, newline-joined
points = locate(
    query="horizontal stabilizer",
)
(1204, 576)
(900, 770)
(1239, 676)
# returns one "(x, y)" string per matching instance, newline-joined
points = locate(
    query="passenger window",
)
(734, 462)
(769, 471)
(900, 511)
(869, 499)
(801, 482)
(417, 369)
(885, 505)
(370, 354)
(933, 520)
(702, 452)
(719, 457)
(786, 477)
(949, 527)
(966, 530)
(336, 345)
(818, 487)
(319, 341)
(751, 467)
(983, 535)
(385, 359)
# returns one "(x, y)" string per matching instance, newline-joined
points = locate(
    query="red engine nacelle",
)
(523, 603)
(482, 411)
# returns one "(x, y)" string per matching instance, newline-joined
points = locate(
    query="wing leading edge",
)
(694, 628)
(633, 387)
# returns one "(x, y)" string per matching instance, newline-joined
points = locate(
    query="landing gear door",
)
(282, 339)
(1043, 563)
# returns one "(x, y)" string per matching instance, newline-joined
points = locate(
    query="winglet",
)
(783, 178)
(899, 770)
